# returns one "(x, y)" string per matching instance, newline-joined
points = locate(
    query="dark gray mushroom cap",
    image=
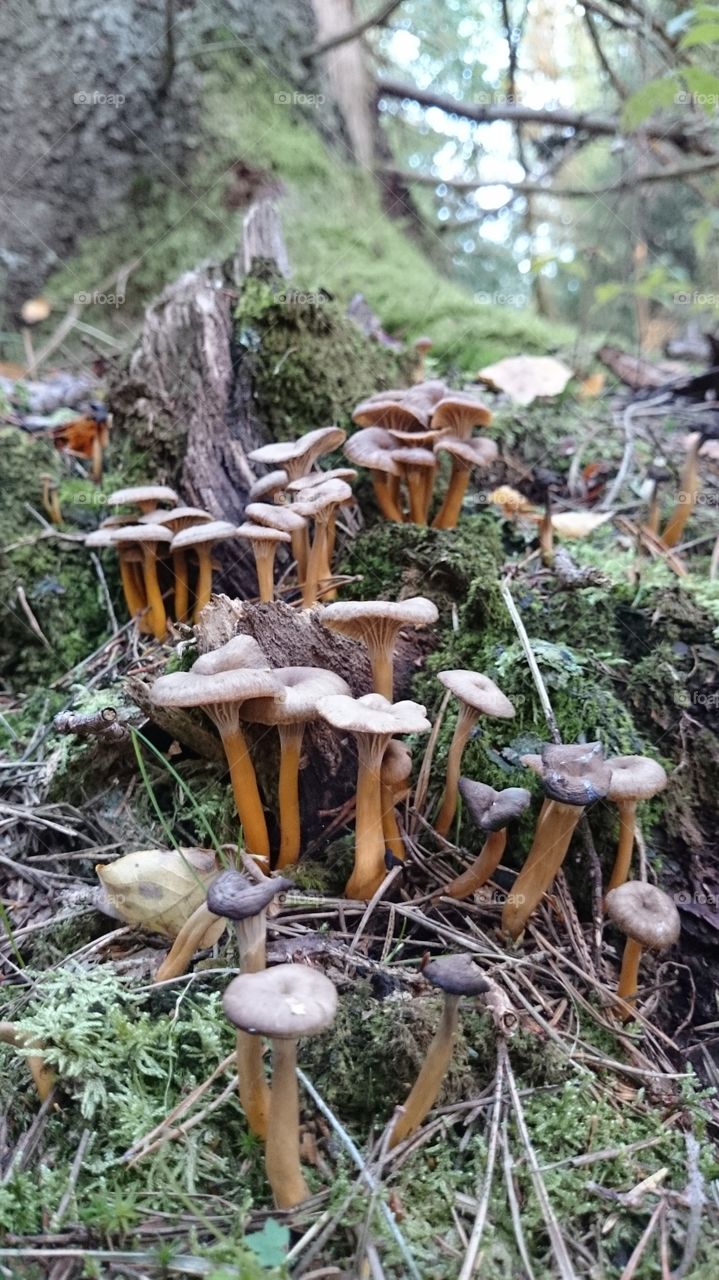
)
(234, 896)
(491, 810)
(285, 1002)
(644, 913)
(456, 975)
(576, 774)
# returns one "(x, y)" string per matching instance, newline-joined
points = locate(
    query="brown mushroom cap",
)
(313, 478)
(460, 414)
(422, 344)
(240, 651)
(373, 714)
(140, 533)
(456, 975)
(299, 455)
(141, 493)
(279, 516)
(322, 498)
(214, 531)
(372, 448)
(188, 689)
(395, 415)
(644, 913)
(261, 533)
(177, 518)
(533, 762)
(267, 486)
(411, 439)
(492, 810)
(477, 452)
(478, 691)
(359, 618)
(396, 764)
(302, 688)
(635, 778)
(35, 310)
(285, 1002)
(414, 457)
(232, 895)
(576, 774)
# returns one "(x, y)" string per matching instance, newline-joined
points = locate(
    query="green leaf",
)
(650, 98)
(703, 86)
(270, 1244)
(704, 33)
(608, 292)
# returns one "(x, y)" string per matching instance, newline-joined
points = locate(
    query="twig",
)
(695, 1196)
(514, 1204)
(617, 484)
(377, 19)
(638, 1251)
(531, 660)
(475, 1238)
(82, 1146)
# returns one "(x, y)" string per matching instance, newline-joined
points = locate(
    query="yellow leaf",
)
(578, 524)
(158, 888)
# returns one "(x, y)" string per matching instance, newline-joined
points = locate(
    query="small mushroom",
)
(32, 312)
(144, 496)
(202, 538)
(455, 976)
(283, 1003)
(689, 486)
(42, 1074)
(374, 721)
(236, 898)
(491, 811)
(417, 468)
(466, 455)
(130, 561)
(376, 624)
(319, 506)
(421, 345)
(240, 651)
(459, 415)
(264, 542)
(650, 920)
(477, 695)
(50, 500)
(574, 777)
(634, 778)
(149, 538)
(302, 687)
(394, 786)
(306, 485)
(280, 515)
(175, 520)
(297, 457)
(372, 448)
(393, 415)
(267, 488)
(220, 696)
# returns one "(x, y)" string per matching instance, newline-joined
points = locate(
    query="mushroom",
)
(459, 415)
(417, 468)
(268, 487)
(50, 500)
(690, 483)
(393, 415)
(284, 1003)
(376, 623)
(175, 520)
(42, 1074)
(240, 651)
(220, 696)
(372, 448)
(309, 482)
(281, 516)
(394, 786)
(149, 538)
(478, 695)
(144, 496)
(455, 976)
(319, 506)
(650, 920)
(421, 345)
(130, 560)
(302, 687)
(236, 898)
(491, 811)
(374, 721)
(574, 777)
(264, 541)
(202, 538)
(297, 457)
(465, 455)
(634, 778)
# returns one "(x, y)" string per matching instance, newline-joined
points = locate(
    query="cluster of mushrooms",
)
(404, 435)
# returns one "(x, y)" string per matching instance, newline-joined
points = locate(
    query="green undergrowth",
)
(126, 1054)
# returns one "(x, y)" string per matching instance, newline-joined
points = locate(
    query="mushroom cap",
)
(460, 414)
(477, 452)
(372, 448)
(232, 895)
(313, 478)
(302, 688)
(177, 518)
(576, 774)
(322, 497)
(141, 493)
(644, 913)
(478, 691)
(396, 764)
(635, 778)
(188, 689)
(275, 516)
(456, 975)
(214, 531)
(261, 533)
(533, 762)
(491, 810)
(240, 651)
(113, 522)
(373, 714)
(434, 390)
(356, 618)
(285, 1002)
(396, 415)
(308, 447)
(141, 533)
(409, 439)
(266, 486)
(422, 344)
(99, 538)
(414, 457)
(35, 310)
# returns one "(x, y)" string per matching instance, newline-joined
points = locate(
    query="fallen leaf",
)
(578, 524)
(592, 386)
(524, 378)
(511, 501)
(158, 888)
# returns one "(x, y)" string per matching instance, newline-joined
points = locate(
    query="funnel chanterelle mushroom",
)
(144, 496)
(417, 467)
(376, 624)
(176, 519)
(302, 687)
(477, 695)
(650, 920)
(245, 903)
(634, 778)
(372, 448)
(201, 538)
(280, 515)
(491, 811)
(574, 777)
(320, 505)
(374, 721)
(394, 786)
(283, 1003)
(148, 538)
(455, 976)
(264, 541)
(297, 457)
(465, 455)
(220, 696)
